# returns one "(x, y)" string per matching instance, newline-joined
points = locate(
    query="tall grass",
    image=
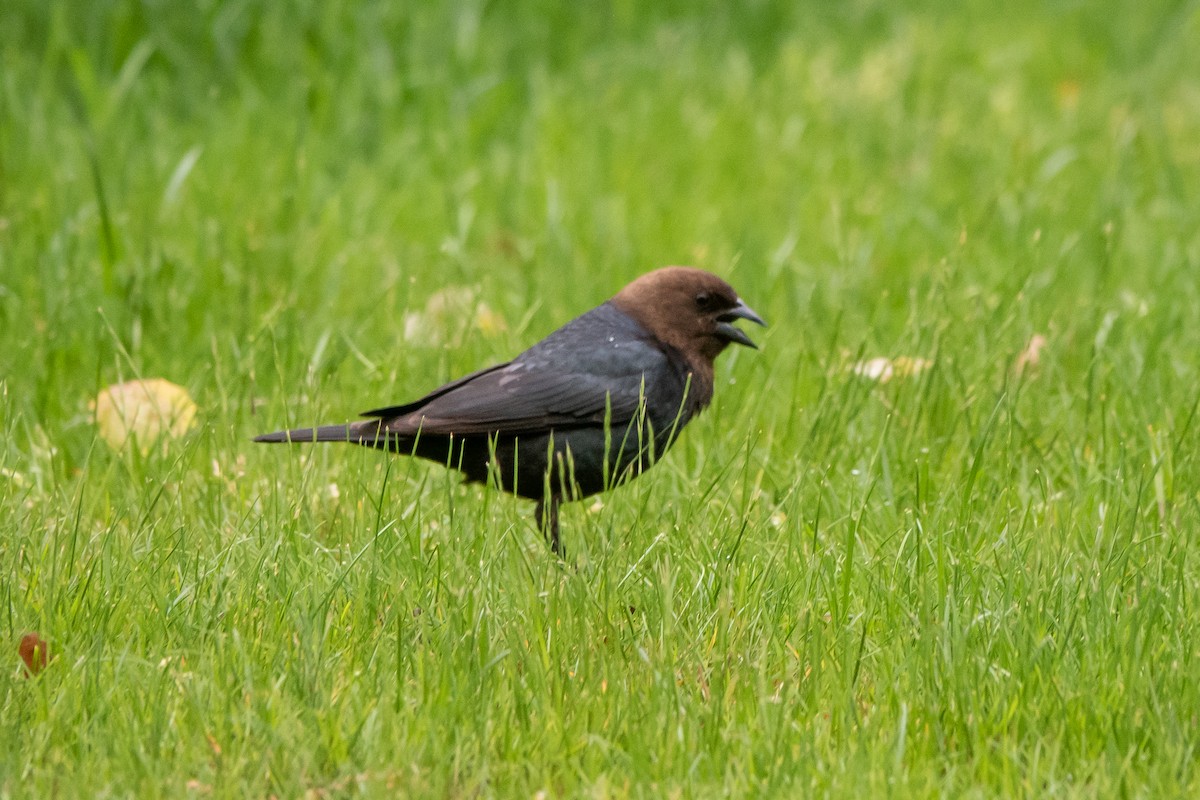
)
(976, 579)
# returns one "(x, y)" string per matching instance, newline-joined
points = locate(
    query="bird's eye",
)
(704, 301)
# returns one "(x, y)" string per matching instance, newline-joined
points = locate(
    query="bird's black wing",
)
(602, 366)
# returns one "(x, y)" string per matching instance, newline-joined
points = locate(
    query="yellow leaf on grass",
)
(448, 314)
(488, 321)
(143, 412)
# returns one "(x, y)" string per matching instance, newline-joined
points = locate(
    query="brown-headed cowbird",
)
(587, 408)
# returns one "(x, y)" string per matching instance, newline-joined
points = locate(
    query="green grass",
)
(963, 583)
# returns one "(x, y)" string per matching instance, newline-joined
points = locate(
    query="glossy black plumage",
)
(599, 400)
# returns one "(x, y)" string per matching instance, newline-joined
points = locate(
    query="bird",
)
(587, 408)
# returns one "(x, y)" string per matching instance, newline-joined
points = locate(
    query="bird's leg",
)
(548, 522)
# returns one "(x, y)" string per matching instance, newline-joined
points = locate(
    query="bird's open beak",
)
(728, 331)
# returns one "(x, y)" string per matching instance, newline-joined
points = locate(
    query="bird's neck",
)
(698, 381)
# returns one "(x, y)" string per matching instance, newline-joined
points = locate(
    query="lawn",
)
(933, 539)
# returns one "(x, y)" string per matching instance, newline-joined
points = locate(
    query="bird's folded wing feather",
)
(524, 398)
(597, 367)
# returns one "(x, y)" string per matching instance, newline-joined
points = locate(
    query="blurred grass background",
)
(969, 582)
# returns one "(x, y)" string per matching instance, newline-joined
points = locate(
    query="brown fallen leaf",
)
(35, 653)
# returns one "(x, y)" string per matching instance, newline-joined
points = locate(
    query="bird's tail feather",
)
(357, 433)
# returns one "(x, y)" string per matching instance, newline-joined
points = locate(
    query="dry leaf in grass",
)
(447, 314)
(885, 369)
(35, 653)
(877, 369)
(1067, 92)
(490, 323)
(1031, 356)
(143, 411)
(443, 315)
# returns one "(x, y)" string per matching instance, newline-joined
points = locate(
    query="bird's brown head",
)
(689, 309)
